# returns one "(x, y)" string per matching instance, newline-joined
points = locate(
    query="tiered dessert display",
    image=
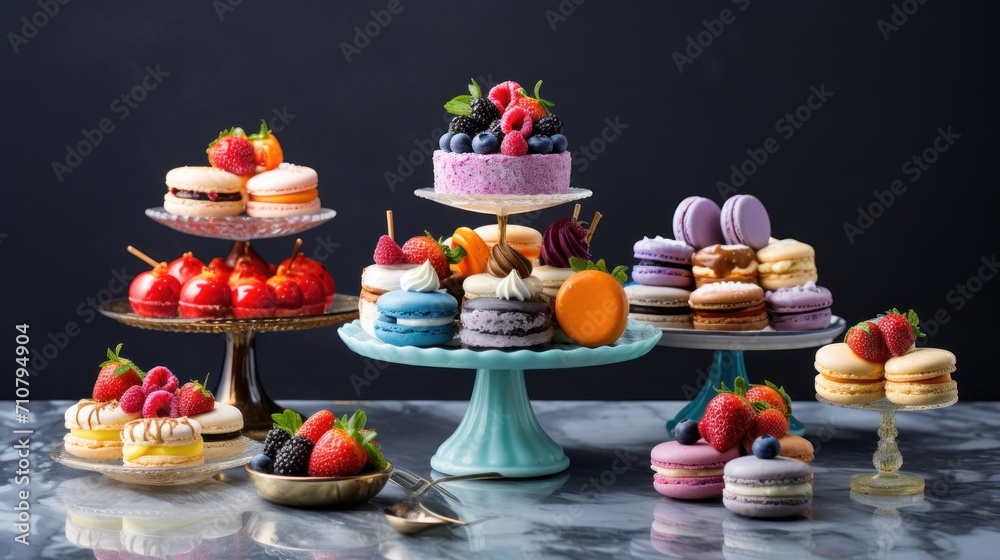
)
(499, 431)
(279, 199)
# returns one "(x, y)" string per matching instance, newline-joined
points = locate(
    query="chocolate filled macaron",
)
(724, 263)
(659, 306)
(729, 306)
(663, 262)
(513, 318)
(220, 430)
(202, 191)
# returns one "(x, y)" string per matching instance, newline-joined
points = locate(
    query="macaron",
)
(95, 429)
(697, 222)
(689, 472)
(525, 240)
(490, 322)
(786, 263)
(162, 442)
(745, 538)
(691, 532)
(722, 263)
(745, 222)
(485, 285)
(416, 318)
(800, 308)
(592, 308)
(844, 377)
(729, 306)
(96, 532)
(376, 280)
(220, 431)
(798, 448)
(660, 306)
(552, 279)
(204, 192)
(288, 190)
(663, 262)
(921, 377)
(778, 487)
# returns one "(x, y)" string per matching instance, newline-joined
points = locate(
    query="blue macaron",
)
(416, 318)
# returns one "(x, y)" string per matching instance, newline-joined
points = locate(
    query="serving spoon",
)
(413, 517)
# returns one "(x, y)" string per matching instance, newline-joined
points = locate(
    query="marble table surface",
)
(604, 506)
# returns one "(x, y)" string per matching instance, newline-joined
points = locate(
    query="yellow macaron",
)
(786, 263)
(846, 378)
(921, 377)
(524, 240)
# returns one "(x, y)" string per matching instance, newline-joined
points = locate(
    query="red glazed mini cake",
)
(504, 143)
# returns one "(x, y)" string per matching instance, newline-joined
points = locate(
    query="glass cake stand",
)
(500, 431)
(727, 357)
(887, 480)
(239, 381)
(240, 228)
(502, 205)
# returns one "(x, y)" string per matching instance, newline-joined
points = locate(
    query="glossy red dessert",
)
(206, 296)
(185, 268)
(253, 300)
(154, 293)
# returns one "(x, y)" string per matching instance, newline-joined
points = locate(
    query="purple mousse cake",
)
(505, 143)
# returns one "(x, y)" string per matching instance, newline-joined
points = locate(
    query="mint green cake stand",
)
(499, 431)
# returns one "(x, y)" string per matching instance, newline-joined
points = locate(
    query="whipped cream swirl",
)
(420, 279)
(512, 287)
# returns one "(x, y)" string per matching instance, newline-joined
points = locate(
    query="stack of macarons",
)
(662, 283)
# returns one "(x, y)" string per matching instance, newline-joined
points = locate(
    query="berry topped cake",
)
(507, 143)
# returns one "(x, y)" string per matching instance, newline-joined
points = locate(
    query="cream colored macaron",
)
(162, 442)
(485, 285)
(288, 190)
(786, 263)
(846, 378)
(204, 191)
(95, 429)
(552, 278)
(524, 240)
(921, 377)
(220, 430)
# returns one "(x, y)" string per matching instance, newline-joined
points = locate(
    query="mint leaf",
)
(289, 421)
(578, 264)
(475, 90)
(460, 105)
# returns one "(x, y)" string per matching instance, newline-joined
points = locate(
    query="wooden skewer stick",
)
(146, 258)
(593, 226)
(576, 211)
(392, 226)
(502, 229)
(295, 250)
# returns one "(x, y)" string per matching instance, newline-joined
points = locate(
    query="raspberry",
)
(157, 404)
(502, 94)
(514, 144)
(159, 378)
(175, 408)
(516, 119)
(387, 251)
(133, 399)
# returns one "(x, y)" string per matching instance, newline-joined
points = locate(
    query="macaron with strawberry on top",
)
(220, 422)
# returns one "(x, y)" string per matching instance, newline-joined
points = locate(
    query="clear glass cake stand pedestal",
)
(727, 358)
(499, 432)
(887, 480)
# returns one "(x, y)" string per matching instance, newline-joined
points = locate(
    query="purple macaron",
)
(697, 222)
(800, 308)
(663, 262)
(745, 222)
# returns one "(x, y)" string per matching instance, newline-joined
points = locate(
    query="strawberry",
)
(727, 417)
(423, 247)
(317, 425)
(194, 398)
(514, 144)
(900, 331)
(774, 396)
(116, 376)
(867, 342)
(387, 251)
(232, 151)
(502, 94)
(535, 107)
(344, 450)
(516, 118)
(770, 421)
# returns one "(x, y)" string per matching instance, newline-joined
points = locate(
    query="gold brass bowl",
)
(319, 491)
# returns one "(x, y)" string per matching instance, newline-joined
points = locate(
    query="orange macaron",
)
(592, 308)
(921, 377)
(846, 378)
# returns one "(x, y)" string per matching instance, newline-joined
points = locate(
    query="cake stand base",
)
(240, 384)
(500, 433)
(726, 366)
(887, 483)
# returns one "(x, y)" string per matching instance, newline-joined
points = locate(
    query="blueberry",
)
(686, 432)
(766, 447)
(445, 142)
(540, 144)
(485, 143)
(261, 463)
(461, 143)
(559, 143)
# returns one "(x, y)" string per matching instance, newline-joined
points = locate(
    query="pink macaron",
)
(697, 222)
(289, 190)
(689, 472)
(745, 222)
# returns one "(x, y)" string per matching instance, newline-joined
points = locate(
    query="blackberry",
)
(547, 126)
(496, 130)
(293, 458)
(274, 441)
(484, 112)
(464, 125)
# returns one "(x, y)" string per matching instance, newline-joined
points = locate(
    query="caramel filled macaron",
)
(786, 263)
(724, 263)
(729, 306)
